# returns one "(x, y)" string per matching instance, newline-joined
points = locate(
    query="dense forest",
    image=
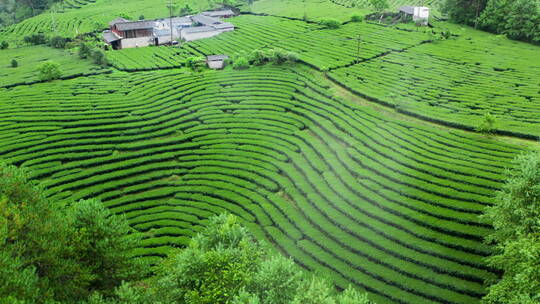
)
(518, 19)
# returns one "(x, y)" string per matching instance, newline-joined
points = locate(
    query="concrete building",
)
(128, 34)
(216, 62)
(418, 13)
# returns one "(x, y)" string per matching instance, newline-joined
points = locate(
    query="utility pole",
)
(170, 19)
(358, 50)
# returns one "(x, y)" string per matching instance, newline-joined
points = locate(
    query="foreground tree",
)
(243, 271)
(51, 252)
(515, 217)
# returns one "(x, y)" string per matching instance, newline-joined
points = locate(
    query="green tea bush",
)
(330, 23)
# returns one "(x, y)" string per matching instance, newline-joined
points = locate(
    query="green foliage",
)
(4, 45)
(141, 17)
(240, 63)
(517, 234)
(379, 5)
(49, 70)
(357, 18)
(98, 56)
(225, 247)
(194, 62)
(186, 10)
(84, 50)
(14, 63)
(517, 207)
(330, 23)
(36, 39)
(487, 125)
(52, 252)
(58, 42)
(464, 11)
(517, 19)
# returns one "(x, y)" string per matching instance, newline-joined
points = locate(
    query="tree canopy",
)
(515, 217)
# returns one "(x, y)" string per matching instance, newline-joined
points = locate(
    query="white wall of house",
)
(195, 36)
(137, 42)
(421, 13)
(218, 64)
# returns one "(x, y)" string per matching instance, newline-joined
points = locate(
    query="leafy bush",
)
(194, 62)
(242, 272)
(4, 45)
(487, 125)
(49, 70)
(84, 50)
(52, 252)
(357, 18)
(330, 23)
(58, 42)
(36, 39)
(379, 5)
(99, 57)
(515, 217)
(14, 63)
(275, 56)
(240, 63)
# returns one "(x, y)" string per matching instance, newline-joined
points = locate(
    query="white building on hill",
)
(418, 13)
(128, 34)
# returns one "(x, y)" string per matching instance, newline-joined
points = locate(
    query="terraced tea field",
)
(388, 205)
(92, 17)
(320, 48)
(29, 59)
(456, 82)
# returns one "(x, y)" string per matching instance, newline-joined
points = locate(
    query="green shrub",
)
(84, 50)
(4, 45)
(98, 56)
(14, 63)
(58, 42)
(357, 18)
(36, 39)
(240, 63)
(49, 70)
(330, 23)
(194, 62)
(487, 125)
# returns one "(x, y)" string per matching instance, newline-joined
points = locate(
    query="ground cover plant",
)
(29, 58)
(457, 82)
(389, 206)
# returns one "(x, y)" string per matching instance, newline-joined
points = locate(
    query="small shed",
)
(216, 61)
(418, 13)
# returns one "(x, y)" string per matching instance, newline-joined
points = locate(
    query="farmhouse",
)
(216, 61)
(123, 33)
(417, 13)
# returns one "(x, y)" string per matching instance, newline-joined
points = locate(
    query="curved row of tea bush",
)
(457, 82)
(386, 205)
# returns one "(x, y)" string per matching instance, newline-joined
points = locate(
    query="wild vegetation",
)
(361, 150)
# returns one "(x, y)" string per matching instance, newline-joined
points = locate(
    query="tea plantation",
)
(360, 161)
